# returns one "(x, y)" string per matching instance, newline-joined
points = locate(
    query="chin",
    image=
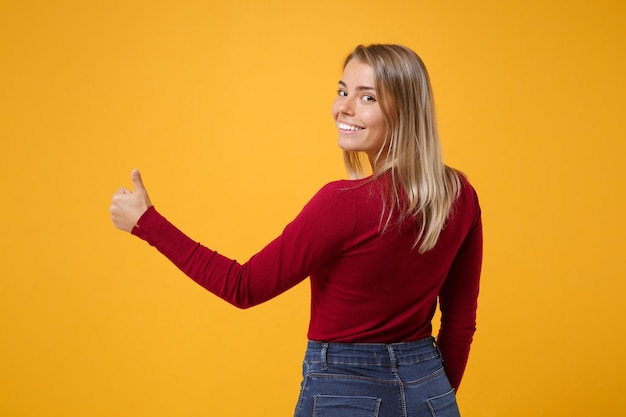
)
(348, 147)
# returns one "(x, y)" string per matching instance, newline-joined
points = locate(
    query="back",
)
(375, 287)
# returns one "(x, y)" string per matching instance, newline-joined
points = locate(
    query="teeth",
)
(344, 126)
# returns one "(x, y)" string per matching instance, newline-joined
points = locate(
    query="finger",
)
(121, 191)
(135, 176)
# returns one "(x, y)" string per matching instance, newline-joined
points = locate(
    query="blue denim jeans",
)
(375, 380)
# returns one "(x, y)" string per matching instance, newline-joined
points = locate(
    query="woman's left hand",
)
(128, 206)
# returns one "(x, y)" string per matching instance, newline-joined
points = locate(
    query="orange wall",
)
(226, 109)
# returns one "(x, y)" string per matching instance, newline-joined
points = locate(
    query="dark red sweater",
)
(365, 286)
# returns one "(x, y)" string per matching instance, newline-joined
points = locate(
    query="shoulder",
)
(337, 201)
(330, 215)
(467, 202)
(341, 190)
(466, 190)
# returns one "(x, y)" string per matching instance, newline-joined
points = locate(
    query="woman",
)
(380, 250)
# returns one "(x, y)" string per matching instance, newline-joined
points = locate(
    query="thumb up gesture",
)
(128, 206)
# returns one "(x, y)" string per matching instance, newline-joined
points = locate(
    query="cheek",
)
(374, 120)
(335, 109)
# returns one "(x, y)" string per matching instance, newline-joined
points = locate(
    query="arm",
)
(266, 275)
(458, 301)
(316, 235)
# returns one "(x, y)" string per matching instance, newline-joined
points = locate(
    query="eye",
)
(368, 98)
(342, 93)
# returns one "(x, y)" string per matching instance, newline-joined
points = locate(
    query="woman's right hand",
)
(128, 206)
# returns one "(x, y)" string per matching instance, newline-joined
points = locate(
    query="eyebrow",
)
(360, 87)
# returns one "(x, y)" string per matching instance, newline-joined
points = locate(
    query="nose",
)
(346, 106)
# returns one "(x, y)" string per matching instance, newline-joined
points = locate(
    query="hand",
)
(128, 206)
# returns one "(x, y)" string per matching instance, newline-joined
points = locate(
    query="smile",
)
(344, 126)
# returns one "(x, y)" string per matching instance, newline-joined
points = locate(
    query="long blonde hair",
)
(422, 187)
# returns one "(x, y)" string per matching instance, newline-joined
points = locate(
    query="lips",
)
(348, 127)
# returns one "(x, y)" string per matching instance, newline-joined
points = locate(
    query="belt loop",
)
(323, 354)
(438, 350)
(392, 357)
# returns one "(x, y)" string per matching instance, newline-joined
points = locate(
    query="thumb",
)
(135, 176)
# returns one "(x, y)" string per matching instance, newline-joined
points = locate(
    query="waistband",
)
(372, 354)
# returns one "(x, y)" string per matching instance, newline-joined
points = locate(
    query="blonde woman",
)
(380, 250)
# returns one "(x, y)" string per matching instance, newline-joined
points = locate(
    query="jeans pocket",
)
(345, 406)
(444, 405)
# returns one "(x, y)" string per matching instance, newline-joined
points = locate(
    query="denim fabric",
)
(375, 380)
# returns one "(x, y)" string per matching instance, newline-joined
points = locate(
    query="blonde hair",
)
(422, 187)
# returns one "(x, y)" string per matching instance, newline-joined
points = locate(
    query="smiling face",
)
(357, 111)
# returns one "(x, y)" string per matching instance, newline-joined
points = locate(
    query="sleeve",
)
(316, 235)
(458, 300)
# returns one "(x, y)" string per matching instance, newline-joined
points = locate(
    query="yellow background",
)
(226, 110)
